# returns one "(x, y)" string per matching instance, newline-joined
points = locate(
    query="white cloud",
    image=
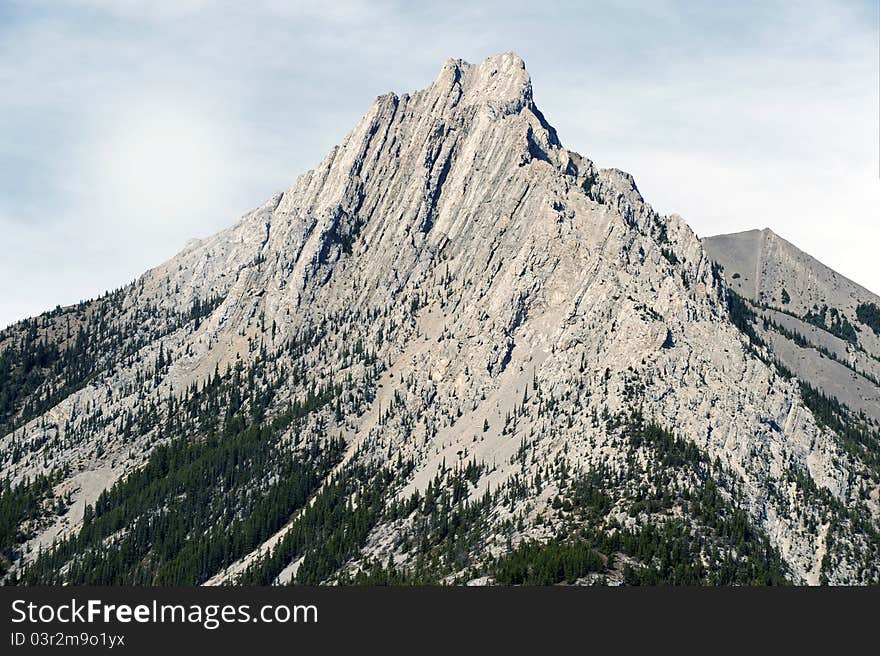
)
(157, 166)
(736, 117)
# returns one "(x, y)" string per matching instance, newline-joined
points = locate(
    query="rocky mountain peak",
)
(821, 326)
(500, 82)
(453, 297)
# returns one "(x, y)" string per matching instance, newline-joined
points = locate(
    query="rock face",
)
(819, 325)
(453, 294)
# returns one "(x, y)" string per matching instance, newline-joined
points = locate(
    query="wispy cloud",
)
(127, 127)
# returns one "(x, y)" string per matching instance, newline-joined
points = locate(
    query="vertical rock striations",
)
(470, 307)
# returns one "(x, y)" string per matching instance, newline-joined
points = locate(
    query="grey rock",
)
(528, 262)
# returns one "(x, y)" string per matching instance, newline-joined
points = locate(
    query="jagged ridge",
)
(456, 287)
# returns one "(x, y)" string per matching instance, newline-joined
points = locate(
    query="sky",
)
(128, 127)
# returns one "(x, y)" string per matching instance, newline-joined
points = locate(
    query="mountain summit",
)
(822, 327)
(454, 351)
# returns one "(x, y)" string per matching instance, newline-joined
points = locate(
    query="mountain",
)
(455, 351)
(823, 328)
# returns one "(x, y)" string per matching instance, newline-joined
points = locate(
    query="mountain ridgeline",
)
(454, 352)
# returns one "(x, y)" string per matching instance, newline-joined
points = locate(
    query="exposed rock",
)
(811, 312)
(488, 270)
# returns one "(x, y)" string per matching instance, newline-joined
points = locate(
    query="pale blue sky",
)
(128, 127)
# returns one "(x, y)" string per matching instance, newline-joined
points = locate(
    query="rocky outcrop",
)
(816, 322)
(486, 270)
